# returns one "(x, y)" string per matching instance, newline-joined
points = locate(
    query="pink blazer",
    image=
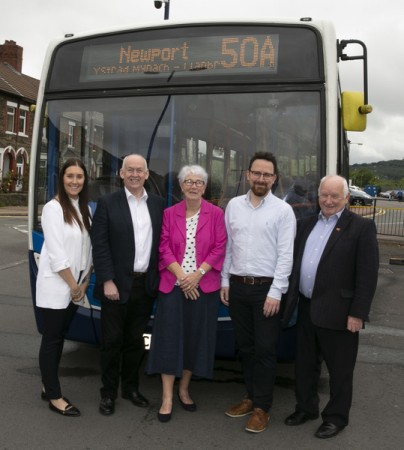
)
(210, 243)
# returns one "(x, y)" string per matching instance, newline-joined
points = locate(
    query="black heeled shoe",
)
(190, 407)
(164, 418)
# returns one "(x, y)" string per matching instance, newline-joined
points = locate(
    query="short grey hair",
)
(338, 177)
(125, 160)
(192, 170)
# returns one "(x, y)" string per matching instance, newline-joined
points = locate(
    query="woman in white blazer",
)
(63, 274)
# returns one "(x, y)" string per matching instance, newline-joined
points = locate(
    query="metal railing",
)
(389, 220)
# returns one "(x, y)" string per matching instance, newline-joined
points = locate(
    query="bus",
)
(209, 93)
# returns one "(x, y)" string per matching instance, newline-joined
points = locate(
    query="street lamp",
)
(159, 4)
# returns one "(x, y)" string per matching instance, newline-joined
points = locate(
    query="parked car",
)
(391, 195)
(359, 197)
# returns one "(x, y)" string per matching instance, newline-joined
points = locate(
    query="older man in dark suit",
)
(125, 236)
(333, 281)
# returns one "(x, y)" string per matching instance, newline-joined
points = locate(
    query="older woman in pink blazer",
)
(192, 250)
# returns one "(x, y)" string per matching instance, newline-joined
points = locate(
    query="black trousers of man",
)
(257, 338)
(122, 347)
(338, 349)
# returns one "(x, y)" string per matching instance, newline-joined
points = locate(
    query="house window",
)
(11, 115)
(22, 121)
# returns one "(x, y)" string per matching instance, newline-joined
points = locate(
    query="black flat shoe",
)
(190, 407)
(43, 395)
(107, 406)
(298, 418)
(69, 411)
(136, 398)
(327, 430)
(164, 418)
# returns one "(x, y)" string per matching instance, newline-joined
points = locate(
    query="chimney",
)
(11, 53)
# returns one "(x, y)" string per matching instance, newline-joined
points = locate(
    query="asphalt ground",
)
(377, 414)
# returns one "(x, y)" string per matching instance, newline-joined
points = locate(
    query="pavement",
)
(7, 211)
(378, 381)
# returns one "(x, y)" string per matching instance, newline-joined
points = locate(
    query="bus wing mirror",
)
(354, 111)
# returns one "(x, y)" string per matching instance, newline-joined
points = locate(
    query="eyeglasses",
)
(331, 196)
(198, 183)
(257, 175)
(138, 171)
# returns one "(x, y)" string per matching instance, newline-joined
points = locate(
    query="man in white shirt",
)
(125, 235)
(259, 256)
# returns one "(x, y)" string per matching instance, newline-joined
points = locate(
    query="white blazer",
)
(63, 247)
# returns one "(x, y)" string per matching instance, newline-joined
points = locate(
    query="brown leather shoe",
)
(258, 421)
(241, 409)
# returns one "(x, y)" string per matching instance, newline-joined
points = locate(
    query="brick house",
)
(18, 92)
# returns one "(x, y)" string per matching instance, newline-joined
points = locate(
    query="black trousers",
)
(338, 349)
(122, 343)
(257, 338)
(56, 323)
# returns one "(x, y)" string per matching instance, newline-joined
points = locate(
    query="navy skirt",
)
(184, 334)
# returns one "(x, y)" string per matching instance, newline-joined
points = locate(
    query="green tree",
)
(361, 177)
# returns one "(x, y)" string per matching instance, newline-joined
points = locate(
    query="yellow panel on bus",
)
(354, 111)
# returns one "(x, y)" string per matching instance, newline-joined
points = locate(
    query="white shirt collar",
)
(129, 194)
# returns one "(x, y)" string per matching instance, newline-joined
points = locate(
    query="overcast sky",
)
(32, 24)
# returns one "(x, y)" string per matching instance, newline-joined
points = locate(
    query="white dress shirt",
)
(260, 241)
(142, 228)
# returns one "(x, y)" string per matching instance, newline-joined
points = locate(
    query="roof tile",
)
(18, 84)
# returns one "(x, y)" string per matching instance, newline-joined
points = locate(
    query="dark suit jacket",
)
(113, 241)
(346, 276)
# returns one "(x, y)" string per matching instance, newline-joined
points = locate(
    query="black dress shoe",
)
(327, 430)
(69, 411)
(107, 406)
(190, 407)
(136, 398)
(298, 418)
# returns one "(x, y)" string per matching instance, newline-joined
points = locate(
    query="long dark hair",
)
(69, 212)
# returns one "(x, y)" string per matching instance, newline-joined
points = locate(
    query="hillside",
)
(392, 170)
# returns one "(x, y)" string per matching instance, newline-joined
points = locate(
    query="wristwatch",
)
(202, 271)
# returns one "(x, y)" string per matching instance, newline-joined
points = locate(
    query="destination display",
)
(210, 55)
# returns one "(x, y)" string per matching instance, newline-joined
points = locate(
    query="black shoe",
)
(136, 398)
(43, 395)
(327, 430)
(107, 406)
(69, 411)
(190, 407)
(164, 418)
(298, 418)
